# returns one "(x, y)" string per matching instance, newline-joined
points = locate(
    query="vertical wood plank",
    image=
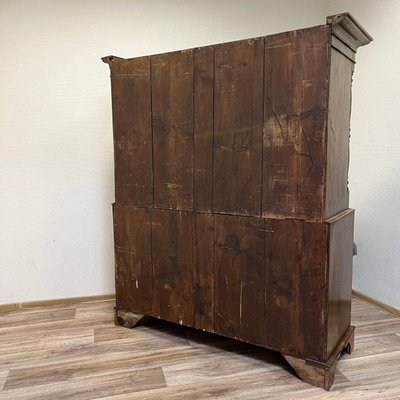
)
(239, 292)
(228, 276)
(281, 275)
(133, 267)
(238, 127)
(203, 127)
(130, 80)
(337, 192)
(252, 322)
(203, 274)
(172, 266)
(296, 76)
(172, 110)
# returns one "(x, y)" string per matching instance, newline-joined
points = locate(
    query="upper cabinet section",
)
(254, 127)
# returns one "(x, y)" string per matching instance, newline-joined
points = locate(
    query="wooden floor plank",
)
(21, 317)
(373, 315)
(92, 352)
(226, 367)
(255, 386)
(379, 328)
(3, 377)
(369, 345)
(89, 388)
(106, 333)
(60, 339)
(75, 351)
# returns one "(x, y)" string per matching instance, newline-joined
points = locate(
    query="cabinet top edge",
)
(344, 21)
(347, 22)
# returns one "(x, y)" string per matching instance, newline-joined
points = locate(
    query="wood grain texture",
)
(239, 290)
(322, 374)
(338, 134)
(238, 127)
(3, 378)
(91, 387)
(172, 244)
(294, 280)
(203, 127)
(203, 271)
(340, 278)
(133, 259)
(245, 232)
(159, 362)
(24, 317)
(130, 82)
(295, 111)
(172, 113)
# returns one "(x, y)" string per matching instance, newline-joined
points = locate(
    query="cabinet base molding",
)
(322, 374)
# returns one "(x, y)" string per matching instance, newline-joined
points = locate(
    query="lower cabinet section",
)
(284, 284)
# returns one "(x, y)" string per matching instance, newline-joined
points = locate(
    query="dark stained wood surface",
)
(172, 255)
(238, 127)
(132, 131)
(294, 283)
(241, 277)
(312, 283)
(340, 277)
(133, 264)
(231, 190)
(172, 110)
(338, 134)
(296, 80)
(203, 127)
(203, 271)
(239, 272)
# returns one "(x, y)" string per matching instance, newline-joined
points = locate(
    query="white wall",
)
(56, 161)
(375, 149)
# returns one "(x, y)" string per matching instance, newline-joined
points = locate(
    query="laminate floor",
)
(74, 351)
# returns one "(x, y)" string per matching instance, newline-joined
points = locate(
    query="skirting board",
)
(50, 302)
(377, 303)
(69, 300)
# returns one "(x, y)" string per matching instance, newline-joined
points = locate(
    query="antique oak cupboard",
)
(231, 199)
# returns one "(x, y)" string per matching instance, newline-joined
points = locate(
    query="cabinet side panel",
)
(203, 127)
(239, 286)
(133, 268)
(295, 284)
(130, 81)
(203, 274)
(172, 110)
(238, 127)
(337, 192)
(313, 284)
(172, 255)
(340, 278)
(295, 102)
